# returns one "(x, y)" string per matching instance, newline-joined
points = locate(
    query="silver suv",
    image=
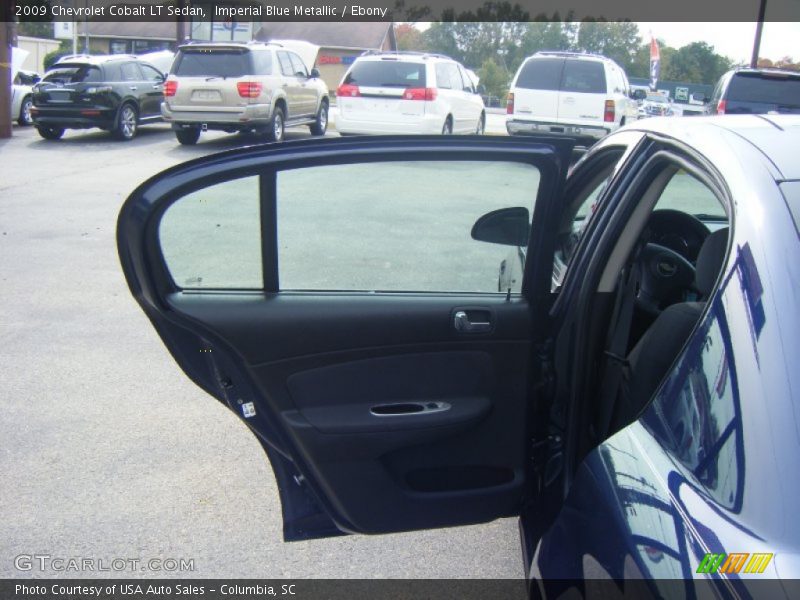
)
(254, 86)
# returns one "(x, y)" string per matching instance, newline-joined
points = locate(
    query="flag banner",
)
(655, 63)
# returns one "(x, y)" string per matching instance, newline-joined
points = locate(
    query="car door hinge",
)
(547, 458)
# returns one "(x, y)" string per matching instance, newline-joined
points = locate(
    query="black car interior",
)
(652, 355)
(659, 299)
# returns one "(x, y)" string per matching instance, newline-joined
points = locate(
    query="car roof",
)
(402, 54)
(251, 45)
(93, 59)
(777, 137)
(772, 73)
(564, 54)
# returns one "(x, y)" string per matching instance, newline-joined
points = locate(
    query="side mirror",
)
(314, 73)
(638, 94)
(507, 226)
(481, 89)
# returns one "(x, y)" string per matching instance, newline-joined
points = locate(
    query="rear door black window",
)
(585, 76)
(298, 66)
(130, 72)
(262, 61)
(286, 64)
(74, 74)
(784, 91)
(387, 73)
(541, 74)
(205, 62)
(443, 79)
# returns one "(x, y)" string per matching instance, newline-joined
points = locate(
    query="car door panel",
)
(376, 411)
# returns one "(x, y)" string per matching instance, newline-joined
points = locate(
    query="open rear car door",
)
(334, 295)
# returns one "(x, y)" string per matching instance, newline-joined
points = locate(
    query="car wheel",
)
(25, 117)
(481, 125)
(50, 133)
(321, 124)
(448, 127)
(189, 136)
(276, 126)
(127, 123)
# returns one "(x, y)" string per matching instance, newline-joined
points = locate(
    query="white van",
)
(566, 93)
(407, 93)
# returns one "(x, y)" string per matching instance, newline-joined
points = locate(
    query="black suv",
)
(115, 93)
(756, 91)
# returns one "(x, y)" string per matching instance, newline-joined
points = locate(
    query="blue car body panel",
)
(713, 463)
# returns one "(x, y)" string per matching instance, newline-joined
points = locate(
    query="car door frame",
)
(152, 94)
(291, 85)
(308, 513)
(308, 93)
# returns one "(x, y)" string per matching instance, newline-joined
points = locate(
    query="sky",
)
(734, 40)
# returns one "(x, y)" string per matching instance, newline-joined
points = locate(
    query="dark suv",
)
(116, 93)
(756, 91)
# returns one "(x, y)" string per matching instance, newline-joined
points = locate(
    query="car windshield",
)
(767, 88)
(71, 73)
(212, 62)
(656, 98)
(386, 74)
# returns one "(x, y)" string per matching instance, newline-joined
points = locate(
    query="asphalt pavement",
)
(108, 451)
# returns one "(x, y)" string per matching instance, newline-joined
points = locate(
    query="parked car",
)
(585, 96)
(160, 59)
(756, 91)
(232, 86)
(409, 92)
(22, 96)
(633, 400)
(116, 93)
(655, 105)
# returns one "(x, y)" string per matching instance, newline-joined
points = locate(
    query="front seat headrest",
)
(709, 261)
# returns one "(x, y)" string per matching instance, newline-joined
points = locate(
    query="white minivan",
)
(406, 93)
(586, 96)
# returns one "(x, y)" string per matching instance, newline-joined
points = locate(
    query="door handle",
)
(463, 323)
(133, 87)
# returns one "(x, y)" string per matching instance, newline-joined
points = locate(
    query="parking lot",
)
(109, 451)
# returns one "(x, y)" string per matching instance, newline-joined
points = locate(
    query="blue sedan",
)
(630, 391)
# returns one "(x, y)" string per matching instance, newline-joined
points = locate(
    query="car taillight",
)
(510, 104)
(170, 88)
(609, 114)
(249, 89)
(721, 107)
(428, 94)
(347, 90)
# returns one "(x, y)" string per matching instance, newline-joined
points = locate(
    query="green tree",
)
(696, 63)
(51, 57)
(619, 41)
(409, 38)
(37, 29)
(441, 38)
(545, 34)
(494, 78)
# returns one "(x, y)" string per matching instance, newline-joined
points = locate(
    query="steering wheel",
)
(665, 268)
(664, 275)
